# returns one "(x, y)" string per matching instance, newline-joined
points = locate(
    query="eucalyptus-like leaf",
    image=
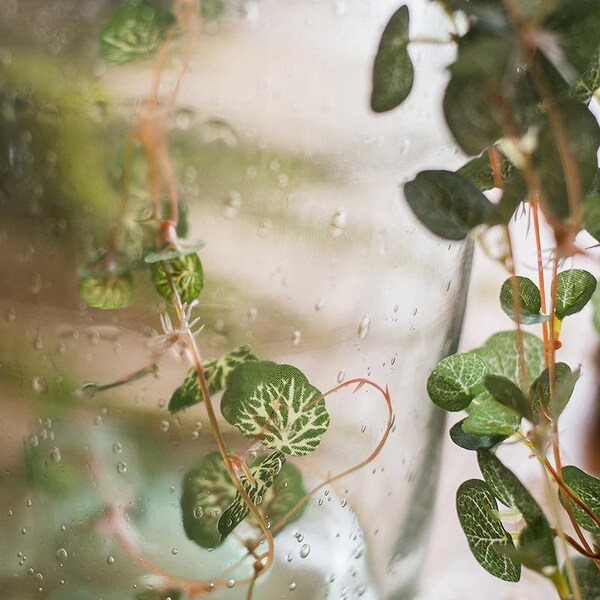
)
(574, 289)
(582, 138)
(529, 300)
(508, 393)
(207, 493)
(107, 292)
(393, 71)
(456, 380)
(216, 372)
(499, 353)
(169, 252)
(185, 273)
(490, 418)
(590, 215)
(447, 203)
(470, 441)
(276, 404)
(479, 171)
(539, 391)
(285, 493)
(263, 475)
(477, 512)
(588, 577)
(134, 31)
(536, 548)
(587, 489)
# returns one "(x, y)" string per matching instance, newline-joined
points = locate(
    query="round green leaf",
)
(469, 441)
(287, 490)
(456, 380)
(207, 492)
(529, 300)
(447, 204)
(186, 274)
(393, 71)
(574, 289)
(134, 31)
(171, 252)
(108, 291)
(488, 540)
(590, 215)
(276, 404)
(489, 417)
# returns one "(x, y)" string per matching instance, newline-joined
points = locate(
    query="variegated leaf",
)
(276, 404)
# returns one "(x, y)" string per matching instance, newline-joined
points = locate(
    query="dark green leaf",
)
(536, 548)
(529, 300)
(491, 418)
(216, 372)
(134, 31)
(508, 393)
(514, 192)
(186, 274)
(456, 380)
(285, 493)
(276, 404)
(207, 492)
(539, 392)
(487, 538)
(499, 353)
(574, 289)
(447, 204)
(583, 137)
(588, 578)
(587, 489)
(171, 252)
(263, 475)
(479, 171)
(393, 70)
(159, 594)
(590, 215)
(469, 441)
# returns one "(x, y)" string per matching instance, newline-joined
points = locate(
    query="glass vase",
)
(310, 258)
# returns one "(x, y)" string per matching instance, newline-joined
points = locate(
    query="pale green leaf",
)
(216, 372)
(539, 392)
(207, 492)
(263, 475)
(276, 404)
(456, 380)
(587, 489)
(393, 71)
(508, 393)
(470, 441)
(169, 252)
(529, 300)
(447, 203)
(499, 353)
(283, 496)
(134, 31)
(491, 418)
(574, 288)
(186, 274)
(477, 512)
(108, 292)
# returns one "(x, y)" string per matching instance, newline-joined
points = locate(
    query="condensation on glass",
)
(310, 256)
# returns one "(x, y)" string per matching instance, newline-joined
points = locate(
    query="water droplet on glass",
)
(38, 344)
(217, 130)
(292, 586)
(35, 283)
(55, 455)
(164, 425)
(184, 118)
(299, 537)
(40, 385)
(341, 376)
(231, 206)
(174, 551)
(34, 441)
(28, 502)
(61, 555)
(198, 512)
(363, 327)
(319, 304)
(110, 560)
(363, 428)
(10, 314)
(304, 551)
(289, 558)
(122, 466)
(23, 531)
(230, 583)
(296, 337)
(337, 223)
(117, 448)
